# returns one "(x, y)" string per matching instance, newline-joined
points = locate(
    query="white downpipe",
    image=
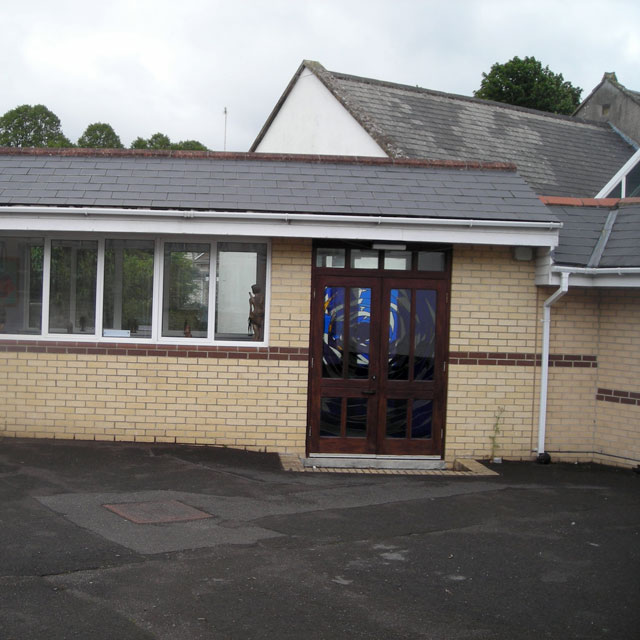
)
(544, 378)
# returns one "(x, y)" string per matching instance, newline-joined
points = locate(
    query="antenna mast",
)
(224, 146)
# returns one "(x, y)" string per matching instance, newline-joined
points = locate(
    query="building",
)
(422, 310)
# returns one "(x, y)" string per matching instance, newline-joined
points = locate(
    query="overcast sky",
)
(145, 66)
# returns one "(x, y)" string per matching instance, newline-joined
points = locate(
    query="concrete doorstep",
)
(382, 466)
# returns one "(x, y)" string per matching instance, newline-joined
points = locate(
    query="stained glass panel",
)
(425, 335)
(399, 334)
(359, 332)
(333, 334)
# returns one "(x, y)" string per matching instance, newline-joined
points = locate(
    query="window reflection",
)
(185, 304)
(21, 262)
(72, 298)
(128, 288)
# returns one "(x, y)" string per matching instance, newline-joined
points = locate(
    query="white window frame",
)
(157, 291)
(620, 177)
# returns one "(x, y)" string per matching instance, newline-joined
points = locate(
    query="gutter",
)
(288, 218)
(544, 457)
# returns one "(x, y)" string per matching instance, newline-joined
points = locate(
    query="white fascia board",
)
(601, 278)
(287, 225)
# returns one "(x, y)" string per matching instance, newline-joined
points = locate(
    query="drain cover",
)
(157, 512)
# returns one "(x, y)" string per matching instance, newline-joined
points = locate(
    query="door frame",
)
(382, 280)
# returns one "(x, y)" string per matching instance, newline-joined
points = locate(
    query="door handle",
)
(369, 392)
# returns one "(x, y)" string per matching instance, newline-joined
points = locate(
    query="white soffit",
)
(24, 219)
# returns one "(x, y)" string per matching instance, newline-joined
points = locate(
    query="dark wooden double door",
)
(378, 379)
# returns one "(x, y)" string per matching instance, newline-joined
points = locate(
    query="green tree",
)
(100, 136)
(32, 126)
(525, 83)
(162, 141)
(156, 141)
(189, 145)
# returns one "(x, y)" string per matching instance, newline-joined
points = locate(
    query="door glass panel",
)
(431, 261)
(425, 335)
(364, 259)
(333, 332)
(421, 419)
(330, 417)
(400, 260)
(334, 258)
(399, 334)
(396, 425)
(359, 332)
(356, 418)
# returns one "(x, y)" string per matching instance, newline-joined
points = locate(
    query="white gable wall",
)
(312, 121)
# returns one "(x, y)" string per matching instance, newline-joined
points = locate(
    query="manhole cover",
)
(157, 512)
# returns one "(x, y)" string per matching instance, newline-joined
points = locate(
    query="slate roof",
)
(265, 183)
(598, 236)
(557, 155)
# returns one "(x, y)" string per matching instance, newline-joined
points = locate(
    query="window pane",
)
(185, 300)
(400, 260)
(359, 332)
(396, 422)
(128, 288)
(356, 424)
(21, 285)
(399, 334)
(431, 261)
(240, 291)
(422, 419)
(330, 417)
(72, 302)
(425, 335)
(632, 187)
(330, 258)
(364, 259)
(616, 192)
(333, 332)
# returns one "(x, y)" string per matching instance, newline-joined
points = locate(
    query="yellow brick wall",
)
(617, 437)
(256, 404)
(493, 309)
(571, 404)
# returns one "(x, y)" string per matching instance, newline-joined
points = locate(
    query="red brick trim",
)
(155, 350)
(618, 396)
(521, 359)
(278, 157)
(587, 202)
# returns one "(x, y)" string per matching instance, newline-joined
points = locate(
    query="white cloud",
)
(154, 65)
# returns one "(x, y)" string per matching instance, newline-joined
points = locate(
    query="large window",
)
(21, 261)
(142, 289)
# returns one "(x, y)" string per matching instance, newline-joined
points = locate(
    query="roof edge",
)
(254, 156)
(276, 109)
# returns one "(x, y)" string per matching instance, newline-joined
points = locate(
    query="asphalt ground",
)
(535, 552)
